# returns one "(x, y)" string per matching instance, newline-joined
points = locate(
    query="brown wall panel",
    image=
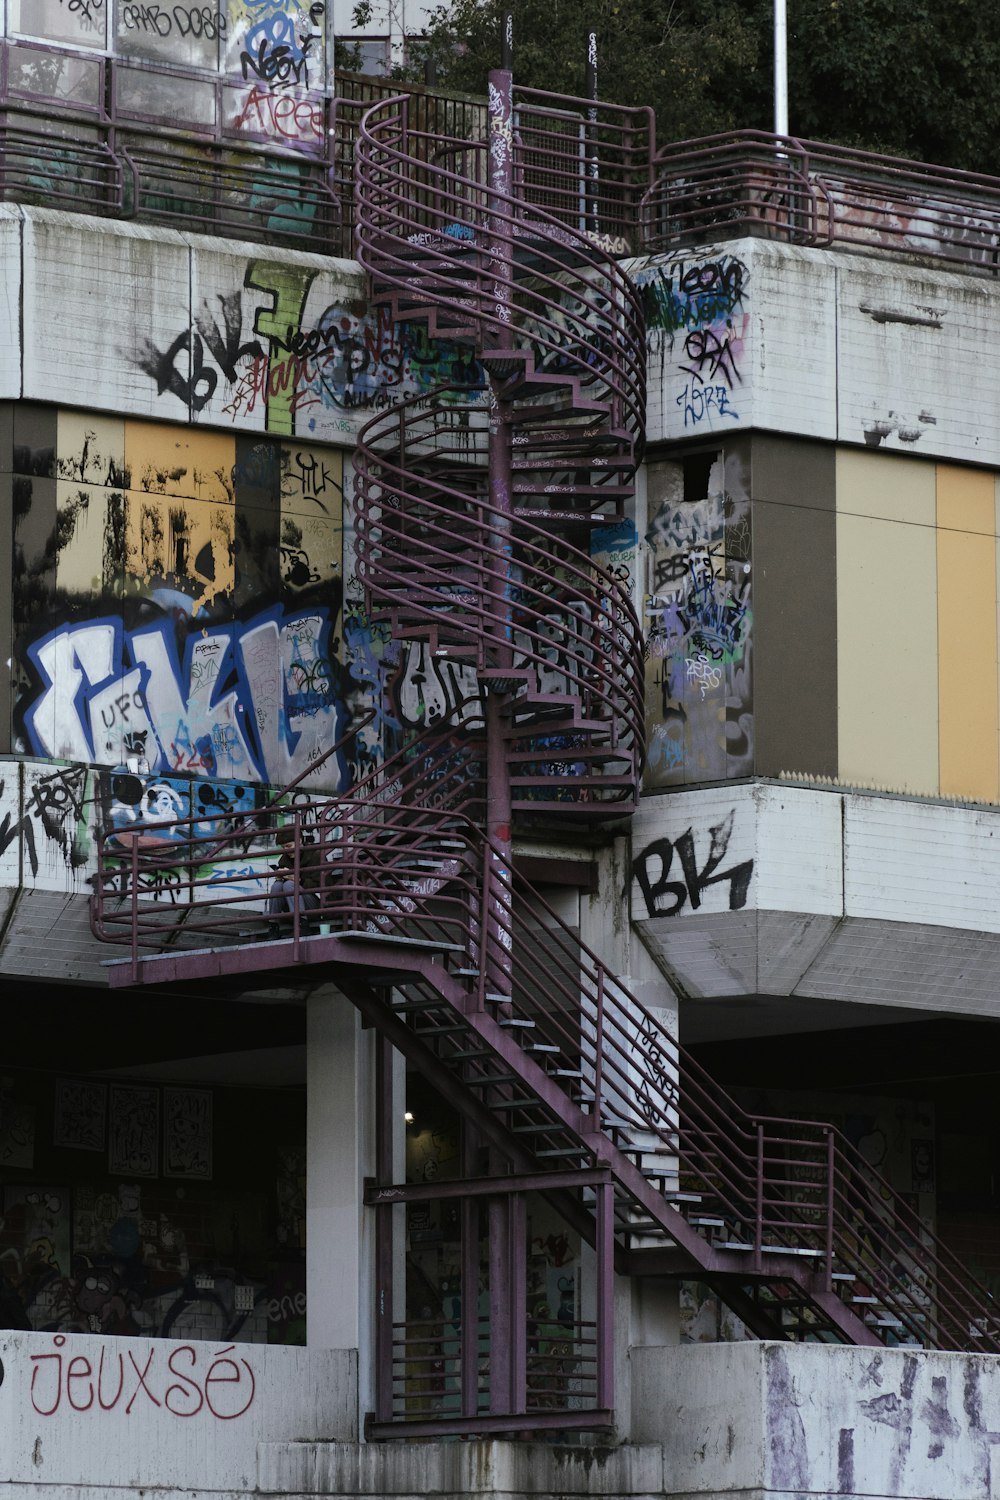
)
(795, 606)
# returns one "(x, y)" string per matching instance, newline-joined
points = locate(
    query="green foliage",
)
(917, 79)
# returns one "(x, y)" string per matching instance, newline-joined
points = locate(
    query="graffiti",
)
(282, 116)
(431, 691)
(653, 866)
(278, 47)
(225, 345)
(708, 353)
(700, 402)
(680, 295)
(18, 832)
(133, 1129)
(178, 20)
(700, 670)
(270, 358)
(56, 802)
(253, 700)
(706, 611)
(187, 1133)
(88, 11)
(183, 1382)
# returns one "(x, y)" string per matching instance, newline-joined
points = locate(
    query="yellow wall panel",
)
(179, 544)
(887, 687)
(966, 500)
(967, 635)
(182, 461)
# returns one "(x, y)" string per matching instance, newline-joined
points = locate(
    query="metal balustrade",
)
(808, 193)
(473, 527)
(506, 587)
(754, 1199)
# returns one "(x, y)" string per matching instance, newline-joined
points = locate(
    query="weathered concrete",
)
(766, 1419)
(78, 1411)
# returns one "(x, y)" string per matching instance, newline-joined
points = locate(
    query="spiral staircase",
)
(473, 532)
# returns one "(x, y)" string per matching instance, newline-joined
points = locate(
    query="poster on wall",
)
(36, 1225)
(133, 1130)
(187, 1133)
(17, 1128)
(80, 1119)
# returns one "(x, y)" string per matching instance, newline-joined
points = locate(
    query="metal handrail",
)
(807, 192)
(404, 200)
(783, 1186)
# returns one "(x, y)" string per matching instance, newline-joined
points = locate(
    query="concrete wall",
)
(789, 890)
(845, 348)
(789, 1419)
(125, 1414)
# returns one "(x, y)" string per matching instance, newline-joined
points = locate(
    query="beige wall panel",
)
(887, 622)
(81, 567)
(90, 448)
(967, 608)
(884, 485)
(180, 461)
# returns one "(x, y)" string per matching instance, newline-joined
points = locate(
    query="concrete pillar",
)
(339, 1155)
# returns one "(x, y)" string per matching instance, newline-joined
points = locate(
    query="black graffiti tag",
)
(653, 866)
(225, 344)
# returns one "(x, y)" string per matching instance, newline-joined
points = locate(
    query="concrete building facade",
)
(409, 554)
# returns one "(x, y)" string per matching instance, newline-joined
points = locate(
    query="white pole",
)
(780, 69)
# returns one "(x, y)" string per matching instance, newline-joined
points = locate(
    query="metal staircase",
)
(473, 525)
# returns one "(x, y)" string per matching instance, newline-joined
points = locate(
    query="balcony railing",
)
(805, 193)
(109, 136)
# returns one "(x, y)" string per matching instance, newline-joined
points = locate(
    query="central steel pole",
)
(498, 312)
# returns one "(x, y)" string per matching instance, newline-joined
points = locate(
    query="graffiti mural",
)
(698, 325)
(699, 621)
(281, 350)
(177, 608)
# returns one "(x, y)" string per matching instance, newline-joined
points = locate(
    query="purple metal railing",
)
(781, 1188)
(429, 559)
(425, 235)
(222, 144)
(466, 530)
(752, 182)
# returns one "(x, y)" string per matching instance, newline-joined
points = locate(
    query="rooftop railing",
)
(216, 154)
(753, 183)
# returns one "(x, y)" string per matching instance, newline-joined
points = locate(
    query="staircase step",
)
(515, 1021)
(359, 936)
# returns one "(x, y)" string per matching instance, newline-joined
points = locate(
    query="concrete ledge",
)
(494, 1468)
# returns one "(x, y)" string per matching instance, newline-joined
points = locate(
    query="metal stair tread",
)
(357, 935)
